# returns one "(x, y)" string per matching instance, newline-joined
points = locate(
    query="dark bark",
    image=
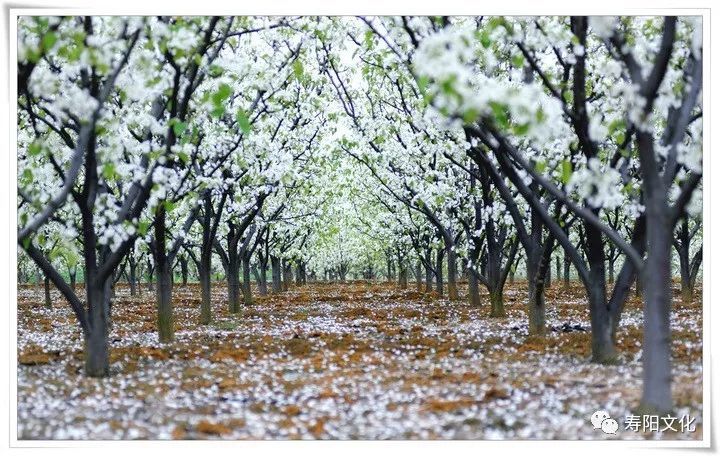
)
(204, 271)
(163, 271)
(688, 266)
(558, 270)
(133, 278)
(402, 274)
(452, 273)
(418, 276)
(97, 362)
(287, 275)
(428, 271)
(183, 270)
(233, 281)
(626, 276)
(603, 346)
(439, 281)
(48, 299)
(72, 272)
(473, 291)
(656, 357)
(276, 274)
(247, 290)
(260, 272)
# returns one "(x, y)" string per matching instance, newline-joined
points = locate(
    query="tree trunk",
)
(548, 277)
(233, 281)
(261, 278)
(73, 277)
(452, 274)
(150, 275)
(163, 270)
(473, 290)
(287, 275)
(247, 291)
(166, 331)
(611, 266)
(558, 273)
(133, 278)
(439, 281)
(276, 280)
(497, 306)
(428, 272)
(97, 361)
(626, 276)
(402, 274)
(566, 272)
(536, 308)
(418, 276)
(603, 347)
(184, 270)
(48, 300)
(205, 286)
(656, 357)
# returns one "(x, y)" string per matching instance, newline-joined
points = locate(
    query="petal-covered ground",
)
(342, 361)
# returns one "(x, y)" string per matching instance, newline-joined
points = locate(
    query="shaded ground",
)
(352, 361)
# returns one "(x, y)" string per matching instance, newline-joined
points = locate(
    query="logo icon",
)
(601, 420)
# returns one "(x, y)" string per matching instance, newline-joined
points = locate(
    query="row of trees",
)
(398, 146)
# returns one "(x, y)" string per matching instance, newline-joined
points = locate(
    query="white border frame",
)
(317, 7)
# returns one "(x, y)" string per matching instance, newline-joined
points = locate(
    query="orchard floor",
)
(341, 361)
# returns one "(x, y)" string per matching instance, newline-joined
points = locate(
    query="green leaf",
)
(108, 171)
(298, 69)
(566, 171)
(502, 117)
(470, 115)
(143, 226)
(518, 60)
(34, 149)
(169, 205)
(179, 127)
(218, 111)
(521, 130)
(49, 40)
(215, 71)
(28, 174)
(243, 121)
(369, 39)
(485, 39)
(223, 93)
(422, 83)
(184, 157)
